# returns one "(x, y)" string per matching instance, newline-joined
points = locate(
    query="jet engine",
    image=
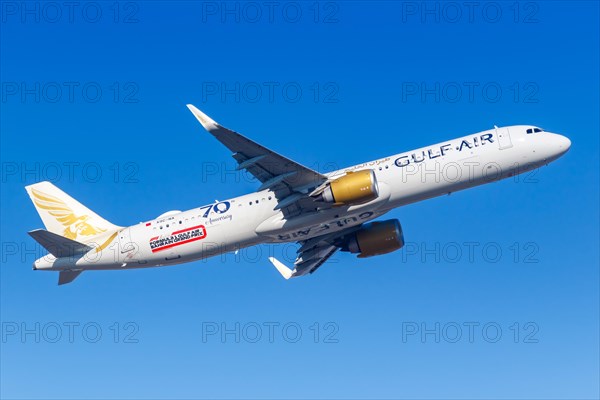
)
(375, 238)
(353, 188)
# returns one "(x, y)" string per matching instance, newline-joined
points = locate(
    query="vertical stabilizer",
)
(64, 215)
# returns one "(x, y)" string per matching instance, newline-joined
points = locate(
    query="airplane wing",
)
(312, 254)
(289, 180)
(306, 262)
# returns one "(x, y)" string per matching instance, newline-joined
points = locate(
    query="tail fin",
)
(64, 215)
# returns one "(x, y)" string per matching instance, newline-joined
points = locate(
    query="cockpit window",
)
(534, 130)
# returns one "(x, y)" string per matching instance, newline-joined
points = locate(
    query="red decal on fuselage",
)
(177, 238)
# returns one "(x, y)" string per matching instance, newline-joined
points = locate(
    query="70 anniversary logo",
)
(187, 235)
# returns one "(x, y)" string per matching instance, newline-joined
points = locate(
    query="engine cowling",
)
(353, 188)
(375, 238)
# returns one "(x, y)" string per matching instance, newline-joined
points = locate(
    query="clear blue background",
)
(368, 51)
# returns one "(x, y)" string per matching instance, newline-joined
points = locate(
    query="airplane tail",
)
(65, 216)
(58, 246)
(65, 277)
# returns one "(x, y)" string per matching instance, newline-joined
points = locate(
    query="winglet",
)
(208, 123)
(283, 270)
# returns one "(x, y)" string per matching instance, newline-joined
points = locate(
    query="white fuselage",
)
(251, 219)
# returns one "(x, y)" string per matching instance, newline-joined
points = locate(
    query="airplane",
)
(322, 212)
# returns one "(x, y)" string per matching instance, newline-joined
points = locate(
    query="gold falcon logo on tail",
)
(75, 225)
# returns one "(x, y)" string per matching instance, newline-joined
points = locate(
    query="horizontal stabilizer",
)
(57, 245)
(68, 276)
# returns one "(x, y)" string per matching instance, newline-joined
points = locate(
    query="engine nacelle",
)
(353, 188)
(375, 238)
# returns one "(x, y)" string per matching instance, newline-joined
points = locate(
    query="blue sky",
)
(496, 294)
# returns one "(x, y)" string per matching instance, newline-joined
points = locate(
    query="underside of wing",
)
(313, 253)
(306, 263)
(366, 240)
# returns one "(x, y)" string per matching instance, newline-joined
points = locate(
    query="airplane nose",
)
(555, 146)
(564, 144)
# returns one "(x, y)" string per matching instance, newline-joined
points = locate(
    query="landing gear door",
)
(503, 136)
